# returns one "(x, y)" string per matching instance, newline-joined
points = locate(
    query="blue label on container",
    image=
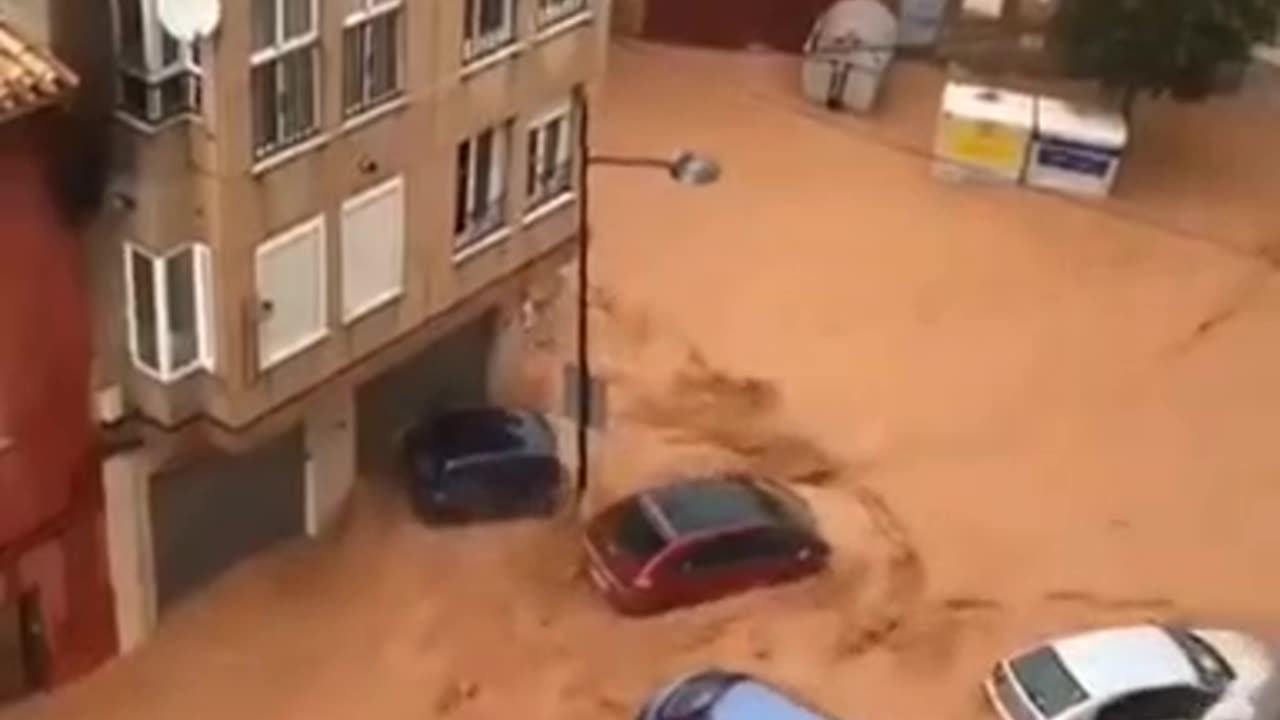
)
(1075, 160)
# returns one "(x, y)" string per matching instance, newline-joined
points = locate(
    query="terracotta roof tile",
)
(30, 77)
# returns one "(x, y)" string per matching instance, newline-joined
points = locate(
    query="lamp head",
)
(690, 168)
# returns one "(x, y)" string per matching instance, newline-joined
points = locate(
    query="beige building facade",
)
(319, 219)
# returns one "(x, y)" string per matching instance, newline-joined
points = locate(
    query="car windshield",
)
(752, 700)
(635, 533)
(476, 432)
(713, 503)
(1046, 681)
(693, 696)
(1212, 669)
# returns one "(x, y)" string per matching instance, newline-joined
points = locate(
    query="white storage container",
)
(983, 133)
(1076, 149)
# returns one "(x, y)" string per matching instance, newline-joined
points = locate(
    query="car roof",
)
(706, 504)
(753, 700)
(472, 432)
(1120, 660)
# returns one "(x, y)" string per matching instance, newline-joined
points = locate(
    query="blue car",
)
(480, 464)
(722, 695)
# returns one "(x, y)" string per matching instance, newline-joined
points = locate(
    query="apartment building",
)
(319, 220)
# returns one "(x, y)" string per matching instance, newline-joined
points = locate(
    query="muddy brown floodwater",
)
(1005, 409)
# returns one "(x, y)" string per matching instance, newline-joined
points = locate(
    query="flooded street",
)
(1014, 415)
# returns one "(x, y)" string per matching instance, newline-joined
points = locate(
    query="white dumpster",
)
(1076, 149)
(983, 133)
(847, 54)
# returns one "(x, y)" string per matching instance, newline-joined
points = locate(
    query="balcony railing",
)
(157, 99)
(482, 221)
(550, 183)
(551, 12)
(479, 45)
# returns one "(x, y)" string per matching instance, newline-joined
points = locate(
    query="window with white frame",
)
(481, 195)
(549, 173)
(158, 77)
(170, 310)
(285, 73)
(293, 306)
(551, 12)
(372, 249)
(372, 52)
(489, 25)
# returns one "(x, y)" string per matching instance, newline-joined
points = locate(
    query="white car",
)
(1146, 672)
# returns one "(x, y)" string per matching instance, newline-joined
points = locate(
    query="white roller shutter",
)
(291, 290)
(373, 230)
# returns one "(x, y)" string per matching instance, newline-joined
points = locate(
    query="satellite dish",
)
(189, 20)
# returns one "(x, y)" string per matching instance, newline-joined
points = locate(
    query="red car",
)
(699, 539)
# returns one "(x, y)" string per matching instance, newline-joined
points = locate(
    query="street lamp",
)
(687, 168)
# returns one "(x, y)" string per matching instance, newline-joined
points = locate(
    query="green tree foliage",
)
(1160, 47)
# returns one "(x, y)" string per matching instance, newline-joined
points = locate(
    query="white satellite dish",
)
(189, 20)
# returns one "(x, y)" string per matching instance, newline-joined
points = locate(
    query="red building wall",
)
(51, 522)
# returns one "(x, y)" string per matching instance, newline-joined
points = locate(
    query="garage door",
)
(209, 515)
(734, 24)
(453, 371)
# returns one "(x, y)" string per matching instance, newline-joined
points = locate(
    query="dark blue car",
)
(482, 464)
(722, 695)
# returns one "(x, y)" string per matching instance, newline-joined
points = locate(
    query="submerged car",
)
(721, 695)
(480, 464)
(1146, 672)
(699, 539)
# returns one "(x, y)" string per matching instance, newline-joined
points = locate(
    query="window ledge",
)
(383, 300)
(167, 378)
(149, 128)
(548, 207)
(494, 238)
(293, 351)
(488, 60)
(373, 114)
(289, 154)
(563, 25)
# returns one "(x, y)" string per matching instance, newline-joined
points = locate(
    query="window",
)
(285, 73)
(293, 308)
(1047, 683)
(552, 11)
(159, 78)
(722, 552)
(372, 249)
(170, 310)
(549, 174)
(371, 55)
(489, 25)
(480, 203)
(635, 533)
(1175, 703)
(1212, 669)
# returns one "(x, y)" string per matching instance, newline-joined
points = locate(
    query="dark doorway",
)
(212, 513)
(781, 25)
(452, 371)
(23, 650)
